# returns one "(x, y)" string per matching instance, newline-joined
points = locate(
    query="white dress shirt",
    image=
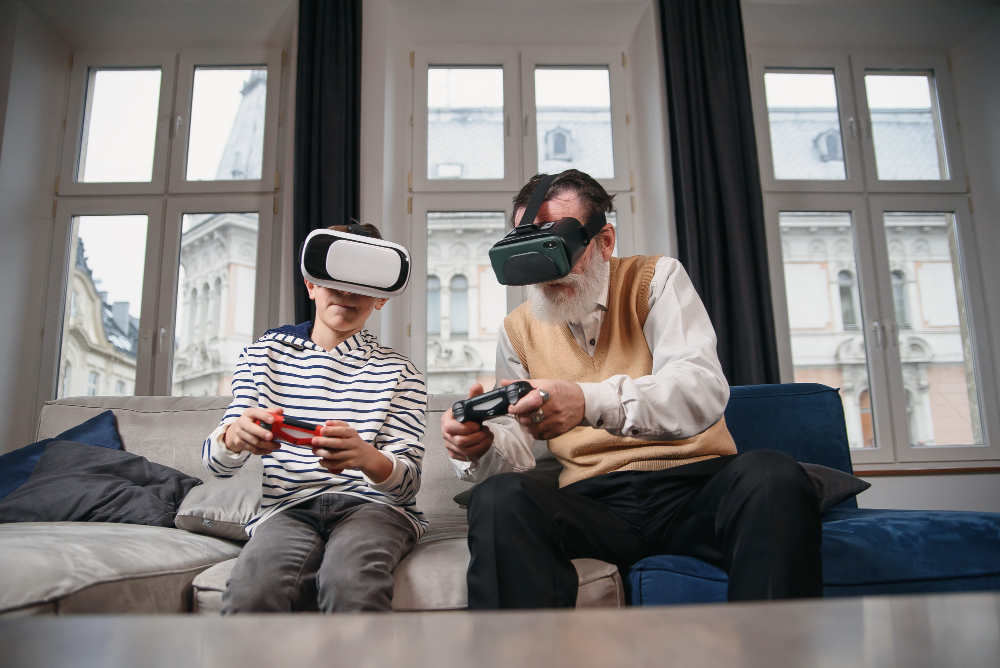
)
(684, 395)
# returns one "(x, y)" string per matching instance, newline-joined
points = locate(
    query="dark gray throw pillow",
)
(832, 486)
(75, 482)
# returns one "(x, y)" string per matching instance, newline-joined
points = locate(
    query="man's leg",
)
(276, 570)
(759, 519)
(366, 542)
(523, 535)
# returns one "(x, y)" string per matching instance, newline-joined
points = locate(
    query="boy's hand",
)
(340, 447)
(466, 441)
(245, 434)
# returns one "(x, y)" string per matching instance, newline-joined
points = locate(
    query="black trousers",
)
(756, 515)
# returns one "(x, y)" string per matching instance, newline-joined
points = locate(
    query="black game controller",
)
(493, 403)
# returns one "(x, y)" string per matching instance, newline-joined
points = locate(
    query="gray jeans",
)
(334, 553)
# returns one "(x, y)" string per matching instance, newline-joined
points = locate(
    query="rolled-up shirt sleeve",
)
(686, 393)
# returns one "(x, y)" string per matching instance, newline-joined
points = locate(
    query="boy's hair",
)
(367, 226)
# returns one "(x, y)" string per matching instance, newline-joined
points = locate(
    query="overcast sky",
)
(817, 91)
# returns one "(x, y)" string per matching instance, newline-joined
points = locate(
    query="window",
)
(890, 248)
(484, 121)
(67, 380)
(139, 233)
(458, 322)
(93, 379)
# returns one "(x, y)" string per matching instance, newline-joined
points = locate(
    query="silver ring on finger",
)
(538, 416)
(544, 395)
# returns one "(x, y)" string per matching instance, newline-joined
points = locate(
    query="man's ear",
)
(606, 238)
(380, 302)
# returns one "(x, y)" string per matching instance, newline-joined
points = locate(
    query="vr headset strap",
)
(537, 197)
(590, 230)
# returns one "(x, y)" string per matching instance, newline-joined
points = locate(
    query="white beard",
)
(557, 309)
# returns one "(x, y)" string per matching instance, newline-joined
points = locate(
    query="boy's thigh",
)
(276, 569)
(360, 554)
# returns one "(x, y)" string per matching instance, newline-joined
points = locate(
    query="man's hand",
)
(341, 447)
(466, 441)
(245, 434)
(562, 412)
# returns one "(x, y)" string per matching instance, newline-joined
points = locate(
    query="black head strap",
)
(590, 230)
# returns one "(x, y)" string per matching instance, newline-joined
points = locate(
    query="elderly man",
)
(629, 396)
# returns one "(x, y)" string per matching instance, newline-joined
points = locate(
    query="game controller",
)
(493, 403)
(290, 430)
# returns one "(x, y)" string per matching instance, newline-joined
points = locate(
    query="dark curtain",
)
(327, 123)
(717, 193)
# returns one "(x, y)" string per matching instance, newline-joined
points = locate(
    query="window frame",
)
(181, 118)
(792, 60)
(265, 288)
(83, 62)
(466, 57)
(582, 58)
(422, 205)
(59, 276)
(947, 109)
(866, 278)
(976, 311)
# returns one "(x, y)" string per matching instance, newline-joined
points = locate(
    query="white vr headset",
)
(355, 262)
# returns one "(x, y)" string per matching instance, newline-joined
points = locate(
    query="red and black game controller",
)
(296, 432)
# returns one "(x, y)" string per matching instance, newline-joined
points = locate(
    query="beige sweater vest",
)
(550, 351)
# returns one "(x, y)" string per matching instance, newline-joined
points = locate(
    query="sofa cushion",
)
(16, 466)
(804, 420)
(865, 552)
(165, 430)
(99, 567)
(76, 482)
(222, 507)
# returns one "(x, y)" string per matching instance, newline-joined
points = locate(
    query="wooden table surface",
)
(961, 630)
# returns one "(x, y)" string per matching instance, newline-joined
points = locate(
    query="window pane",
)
(934, 343)
(824, 313)
(465, 129)
(215, 300)
(101, 324)
(119, 125)
(573, 121)
(226, 141)
(471, 304)
(906, 127)
(805, 125)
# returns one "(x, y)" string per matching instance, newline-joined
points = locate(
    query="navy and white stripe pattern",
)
(373, 388)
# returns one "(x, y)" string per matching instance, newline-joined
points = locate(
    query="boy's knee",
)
(347, 589)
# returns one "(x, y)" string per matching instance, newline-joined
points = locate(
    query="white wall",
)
(31, 137)
(964, 491)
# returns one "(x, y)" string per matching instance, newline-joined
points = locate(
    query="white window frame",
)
(774, 205)
(938, 64)
(582, 58)
(59, 275)
(462, 57)
(850, 129)
(422, 204)
(188, 61)
(975, 309)
(167, 313)
(867, 200)
(83, 62)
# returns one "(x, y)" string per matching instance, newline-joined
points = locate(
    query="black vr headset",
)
(355, 261)
(539, 252)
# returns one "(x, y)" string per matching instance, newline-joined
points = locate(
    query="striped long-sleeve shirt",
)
(374, 389)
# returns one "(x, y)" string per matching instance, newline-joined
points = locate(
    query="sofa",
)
(65, 568)
(97, 567)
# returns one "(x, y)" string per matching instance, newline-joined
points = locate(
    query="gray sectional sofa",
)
(69, 567)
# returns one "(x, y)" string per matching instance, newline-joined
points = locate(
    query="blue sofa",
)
(865, 552)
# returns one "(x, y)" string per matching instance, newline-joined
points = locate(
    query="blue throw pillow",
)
(16, 466)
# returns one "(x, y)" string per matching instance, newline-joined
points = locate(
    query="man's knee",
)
(770, 472)
(503, 491)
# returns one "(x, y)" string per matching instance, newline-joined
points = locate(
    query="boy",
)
(336, 516)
